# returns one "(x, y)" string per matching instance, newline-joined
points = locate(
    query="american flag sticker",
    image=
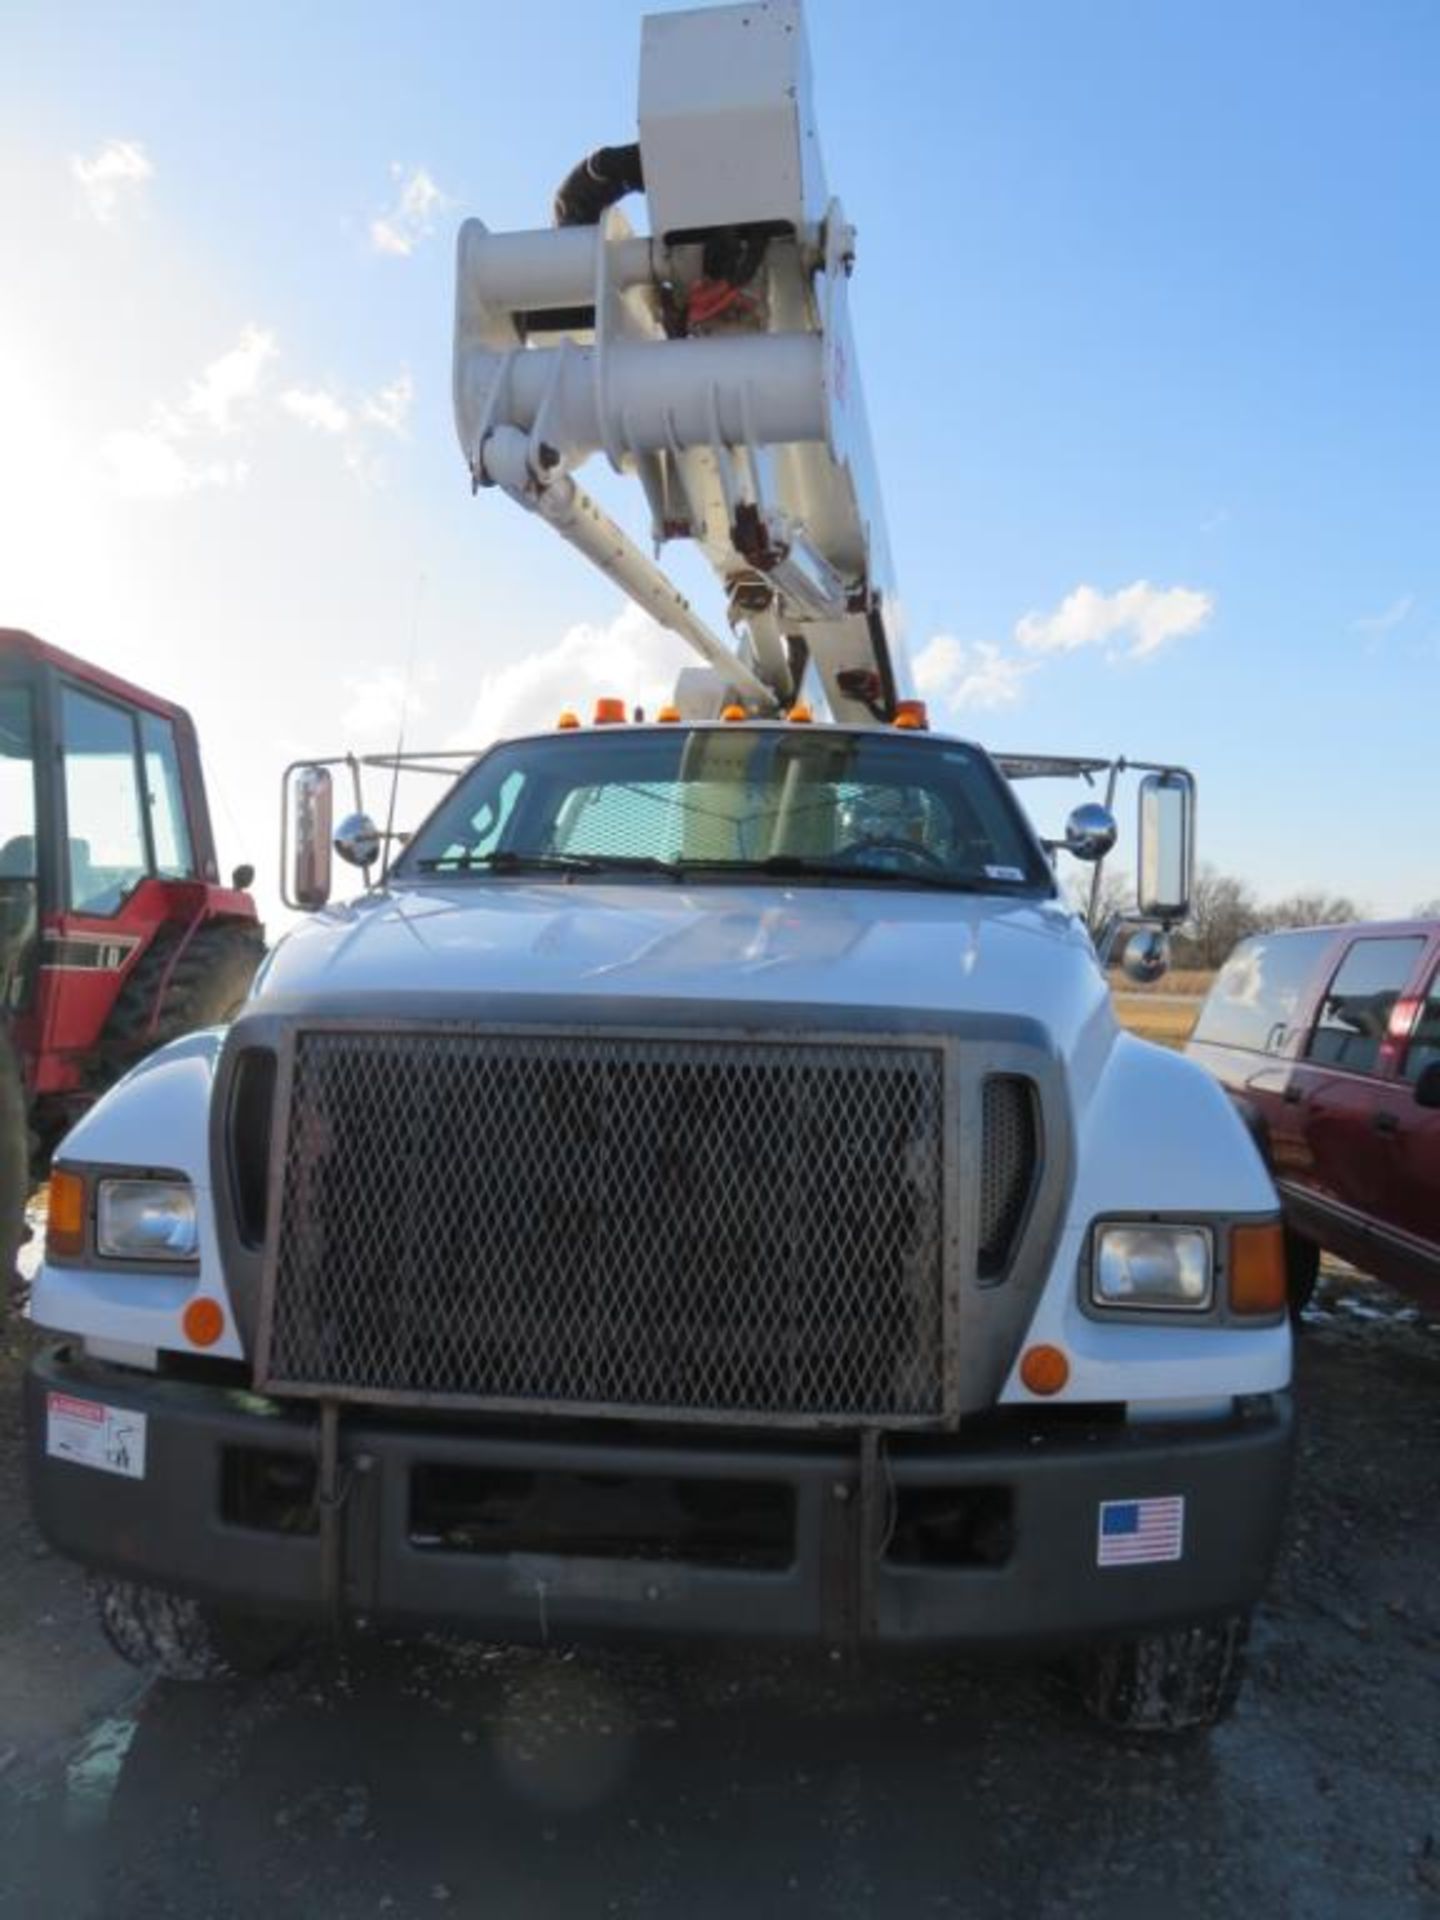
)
(1132, 1532)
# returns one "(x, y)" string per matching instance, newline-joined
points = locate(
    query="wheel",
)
(14, 1163)
(1302, 1270)
(177, 1638)
(1168, 1682)
(210, 981)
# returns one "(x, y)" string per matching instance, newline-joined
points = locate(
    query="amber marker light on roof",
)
(734, 713)
(1257, 1269)
(65, 1218)
(800, 715)
(913, 715)
(609, 712)
(1044, 1370)
(567, 720)
(668, 716)
(203, 1321)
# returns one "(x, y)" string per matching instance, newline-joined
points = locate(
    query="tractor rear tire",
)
(207, 988)
(14, 1165)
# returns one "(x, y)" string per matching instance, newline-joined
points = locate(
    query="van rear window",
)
(1258, 993)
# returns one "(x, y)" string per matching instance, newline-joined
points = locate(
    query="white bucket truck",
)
(699, 1186)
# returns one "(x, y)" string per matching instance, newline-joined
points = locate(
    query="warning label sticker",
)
(91, 1434)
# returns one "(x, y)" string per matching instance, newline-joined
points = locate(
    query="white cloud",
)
(389, 407)
(1141, 618)
(316, 407)
(1376, 625)
(112, 177)
(632, 657)
(411, 217)
(149, 465)
(976, 674)
(377, 707)
(228, 385)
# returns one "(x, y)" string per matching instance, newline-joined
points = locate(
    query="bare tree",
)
(1117, 892)
(1311, 910)
(1223, 910)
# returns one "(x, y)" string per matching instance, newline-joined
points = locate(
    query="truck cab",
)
(702, 1188)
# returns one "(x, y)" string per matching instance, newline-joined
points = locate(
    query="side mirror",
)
(1147, 956)
(357, 840)
(1090, 832)
(1167, 846)
(1427, 1087)
(243, 877)
(310, 812)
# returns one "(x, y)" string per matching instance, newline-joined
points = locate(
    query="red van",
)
(1328, 1040)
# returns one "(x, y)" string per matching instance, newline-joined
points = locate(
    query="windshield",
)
(719, 801)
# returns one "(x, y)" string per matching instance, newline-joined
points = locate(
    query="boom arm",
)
(713, 361)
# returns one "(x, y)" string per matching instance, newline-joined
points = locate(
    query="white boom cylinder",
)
(651, 396)
(570, 510)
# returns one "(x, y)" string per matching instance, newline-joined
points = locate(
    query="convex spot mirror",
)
(309, 813)
(1147, 956)
(357, 839)
(1090, 831)
(1167, 846)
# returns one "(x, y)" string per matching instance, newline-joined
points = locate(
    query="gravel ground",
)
(451, 1778)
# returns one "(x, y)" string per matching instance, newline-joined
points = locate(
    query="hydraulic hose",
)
(606, 176)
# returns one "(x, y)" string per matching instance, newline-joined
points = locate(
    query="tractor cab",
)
(107, 864)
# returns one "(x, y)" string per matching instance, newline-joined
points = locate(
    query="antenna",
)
(404, 711)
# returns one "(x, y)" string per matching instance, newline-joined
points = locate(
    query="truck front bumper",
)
(534, 1531)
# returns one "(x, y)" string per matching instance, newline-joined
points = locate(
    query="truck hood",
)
(852, 946)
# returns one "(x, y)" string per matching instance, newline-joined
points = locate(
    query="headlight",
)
(1150, 1266)
(146, 1220)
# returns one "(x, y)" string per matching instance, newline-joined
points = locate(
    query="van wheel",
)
(1170, 1682)
(177, 1638)
(1302, 1270)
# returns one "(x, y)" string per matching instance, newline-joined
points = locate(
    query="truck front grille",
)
(590, 1222)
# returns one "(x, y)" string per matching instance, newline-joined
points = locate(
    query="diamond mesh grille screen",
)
(1009, 1167)
(693, 1227)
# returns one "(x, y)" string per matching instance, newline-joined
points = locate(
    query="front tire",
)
(177, 1638)
(1174, 1681)
(1302, 1270)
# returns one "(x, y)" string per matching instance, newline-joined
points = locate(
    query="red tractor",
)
(115, 932)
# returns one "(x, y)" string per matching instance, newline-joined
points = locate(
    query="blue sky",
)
(1145, 294)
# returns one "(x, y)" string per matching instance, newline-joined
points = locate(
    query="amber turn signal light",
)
(567, 720)
(65, 1223)
(1257, 1269)
(668, 716)
(1044, 1370)
(734, 713)
(203, 1321)
(800, 715)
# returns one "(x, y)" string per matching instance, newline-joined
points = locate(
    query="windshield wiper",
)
(803, 867)
(507, 861)
(512, 860)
